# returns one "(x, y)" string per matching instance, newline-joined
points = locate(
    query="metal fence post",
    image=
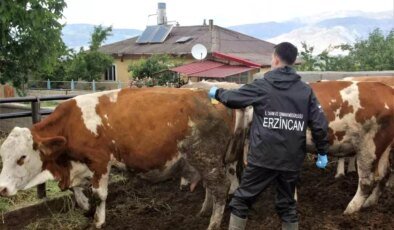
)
(94, 86)
(36, 117)
(72, 85)
(48, 84)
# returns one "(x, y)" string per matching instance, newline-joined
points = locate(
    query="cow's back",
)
(354, 109)
(388, 80)
(143, 127)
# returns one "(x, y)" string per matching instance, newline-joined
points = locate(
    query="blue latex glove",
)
(212, 92)
(321, 161)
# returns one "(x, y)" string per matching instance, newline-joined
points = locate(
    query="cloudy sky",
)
(134, 13)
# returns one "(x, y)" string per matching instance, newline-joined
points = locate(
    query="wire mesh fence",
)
(76, 85)
(96, 85)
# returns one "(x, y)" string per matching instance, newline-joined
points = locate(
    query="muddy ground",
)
(139, 205)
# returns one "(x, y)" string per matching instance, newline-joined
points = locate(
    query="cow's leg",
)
(351, 167)
(246, 151)
(232, 176)
(184, 183)
(382, 173)
(190, 176)
(101, 191)
(390, 181)
(365, 160)
(340, 167)
(207, 205)
(80, 198)
(217, 212)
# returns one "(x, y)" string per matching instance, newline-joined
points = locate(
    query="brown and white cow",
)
(145, 130)
(361, 121)
(388, 80)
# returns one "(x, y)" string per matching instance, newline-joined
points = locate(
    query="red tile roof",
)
(196, 67)
(222, 71)
(210, 69)
(236, 59)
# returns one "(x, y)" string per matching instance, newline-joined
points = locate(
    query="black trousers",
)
(255, 180)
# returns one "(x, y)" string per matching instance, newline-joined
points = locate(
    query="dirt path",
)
(139, 205)
(322, 199)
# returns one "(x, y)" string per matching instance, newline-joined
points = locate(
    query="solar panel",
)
(155, 34)
(147, 35)
(161, 34)
(183, 39)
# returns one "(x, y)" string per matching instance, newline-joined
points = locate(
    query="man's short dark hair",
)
(287, 52)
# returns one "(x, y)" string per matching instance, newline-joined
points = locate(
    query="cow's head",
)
(22, 163)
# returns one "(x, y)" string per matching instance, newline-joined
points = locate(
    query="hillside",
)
(320, 31)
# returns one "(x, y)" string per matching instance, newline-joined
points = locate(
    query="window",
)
(110, 74)
(184, 39)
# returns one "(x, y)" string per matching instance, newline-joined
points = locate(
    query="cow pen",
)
(136, 204)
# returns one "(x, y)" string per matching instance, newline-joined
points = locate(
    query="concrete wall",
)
(122, 66)
(318, 76)
(36, 93)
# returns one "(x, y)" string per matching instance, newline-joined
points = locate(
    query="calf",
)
(145, 130)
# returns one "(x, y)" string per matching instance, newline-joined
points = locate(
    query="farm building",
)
(177, 41)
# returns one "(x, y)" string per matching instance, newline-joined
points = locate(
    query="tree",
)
(30, 38)
(374, 53)
(155, 67)
(309, 62)
(90, 65)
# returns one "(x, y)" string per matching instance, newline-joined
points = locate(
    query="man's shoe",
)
(236, 223)
(289, 226)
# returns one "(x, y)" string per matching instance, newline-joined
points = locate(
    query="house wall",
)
(122, 66)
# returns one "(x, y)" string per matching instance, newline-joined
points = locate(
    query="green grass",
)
(23, 198)
(49, 104)
(73, 219)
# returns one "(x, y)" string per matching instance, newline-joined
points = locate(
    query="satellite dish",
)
(199, 51)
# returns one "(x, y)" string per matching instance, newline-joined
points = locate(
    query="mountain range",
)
(320, 31)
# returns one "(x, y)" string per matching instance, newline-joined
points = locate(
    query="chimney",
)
(205, 22)
(161, 14)
(210, 24)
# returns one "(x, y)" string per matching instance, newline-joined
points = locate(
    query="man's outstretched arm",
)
(238, 98)
(319, 128)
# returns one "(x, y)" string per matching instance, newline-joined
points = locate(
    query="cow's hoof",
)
(184, 185)
(184, 188)
(350, 210)
(204, 213)
(213, 226)
(339, 175)
(83, 203)
(390, 182)
(351, 170)
(371, 201)
(99, 225)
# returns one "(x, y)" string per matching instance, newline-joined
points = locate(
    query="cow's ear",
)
(52, 146)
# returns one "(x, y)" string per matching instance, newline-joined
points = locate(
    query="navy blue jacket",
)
(284, 107)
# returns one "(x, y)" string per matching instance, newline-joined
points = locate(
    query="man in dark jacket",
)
(284, 107)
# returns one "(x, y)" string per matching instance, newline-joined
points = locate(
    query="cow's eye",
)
(21, 160)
